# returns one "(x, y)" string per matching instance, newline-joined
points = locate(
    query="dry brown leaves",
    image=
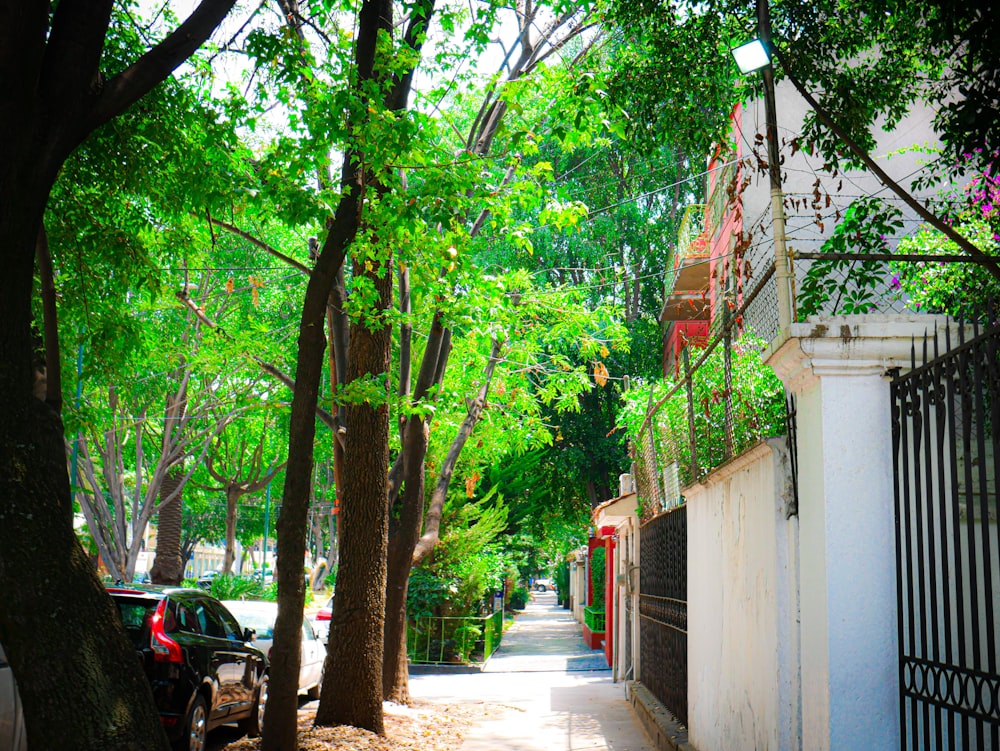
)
(423, 725)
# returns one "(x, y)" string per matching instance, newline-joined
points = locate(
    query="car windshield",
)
(262, 624)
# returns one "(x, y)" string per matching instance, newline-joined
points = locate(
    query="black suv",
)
(200, 664)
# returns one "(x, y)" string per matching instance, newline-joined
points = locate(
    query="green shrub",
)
(229, 587)
(427, 593)
(598, 566)
(465, 637)
(518, 599)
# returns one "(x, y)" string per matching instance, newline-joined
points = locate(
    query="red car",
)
(321, 621)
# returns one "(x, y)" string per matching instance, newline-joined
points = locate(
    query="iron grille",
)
(663, 609)
(944, 416)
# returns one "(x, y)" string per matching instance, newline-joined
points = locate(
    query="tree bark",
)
(45, 601)
(168, 566)
(53, 95)
(280, 726)
(355, 645)
(406, 528)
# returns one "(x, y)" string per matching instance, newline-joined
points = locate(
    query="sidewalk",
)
(557, 695)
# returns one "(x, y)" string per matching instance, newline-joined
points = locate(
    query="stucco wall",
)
(743, 606)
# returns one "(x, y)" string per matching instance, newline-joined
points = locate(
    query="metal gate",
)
(663, 609)
(946, 414)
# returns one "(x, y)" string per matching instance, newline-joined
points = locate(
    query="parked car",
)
(321, 621)
(199, 660)
(205, 580)
(544, 585)
(260, 616)
(264, 577)
(13, 735)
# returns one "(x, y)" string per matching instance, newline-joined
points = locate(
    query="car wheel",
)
(195, 727)
(253, 724)
(314, 692)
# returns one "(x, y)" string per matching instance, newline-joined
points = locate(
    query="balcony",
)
(686, 281)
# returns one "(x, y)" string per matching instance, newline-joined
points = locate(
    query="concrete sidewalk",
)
(556, 693)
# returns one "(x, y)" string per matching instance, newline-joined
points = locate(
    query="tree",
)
(355, 652)
(55, 93)
(858, 65)
(238, 465)
(415, 530)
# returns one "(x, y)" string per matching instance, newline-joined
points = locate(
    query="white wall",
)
(743, 606)
(850, 660)
(902, 153)
(625, 663)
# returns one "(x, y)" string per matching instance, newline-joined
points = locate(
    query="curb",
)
(666, 733)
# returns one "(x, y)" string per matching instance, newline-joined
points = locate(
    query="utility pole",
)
(782, 265)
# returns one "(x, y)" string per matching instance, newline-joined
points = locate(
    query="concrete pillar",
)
(837, 369)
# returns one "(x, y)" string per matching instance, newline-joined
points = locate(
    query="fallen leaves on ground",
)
(423, 725)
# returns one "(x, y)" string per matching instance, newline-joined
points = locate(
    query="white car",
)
(260, 616)
(544, 585)
(13, 735)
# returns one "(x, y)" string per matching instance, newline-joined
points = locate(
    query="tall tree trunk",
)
(405, 529)
(280, 726)
(232, 497)
(168, 566)
(355, 647)
(53, 95)
(50, 590)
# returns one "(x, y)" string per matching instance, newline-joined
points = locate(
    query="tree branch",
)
(132, 83)
(432, 525)
(922, 211)
(261, 244)
(327, 419)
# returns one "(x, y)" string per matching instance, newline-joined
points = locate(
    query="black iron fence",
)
(945, 418)
(663, 609)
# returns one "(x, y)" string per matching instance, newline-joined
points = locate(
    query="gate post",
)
(849, 661)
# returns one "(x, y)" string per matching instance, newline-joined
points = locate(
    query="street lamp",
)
(750, 57)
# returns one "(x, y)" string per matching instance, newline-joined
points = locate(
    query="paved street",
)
(557, 694)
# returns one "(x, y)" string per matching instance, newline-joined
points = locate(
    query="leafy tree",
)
(432, 231)
(240, 467)
(955, 288)
(60, 84)
(859, 66)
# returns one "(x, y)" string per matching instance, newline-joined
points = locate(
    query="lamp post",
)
(749, 57)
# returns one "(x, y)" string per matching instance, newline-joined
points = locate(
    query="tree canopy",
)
(406, 256)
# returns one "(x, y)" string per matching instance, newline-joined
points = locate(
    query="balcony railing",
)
(594, 618)
(690, 244)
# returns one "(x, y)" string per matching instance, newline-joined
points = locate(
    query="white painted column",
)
(837, 369)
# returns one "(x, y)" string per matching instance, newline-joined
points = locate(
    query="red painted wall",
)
(609, 598)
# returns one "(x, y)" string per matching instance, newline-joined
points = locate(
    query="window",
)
(227, 626)
(187, 619)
